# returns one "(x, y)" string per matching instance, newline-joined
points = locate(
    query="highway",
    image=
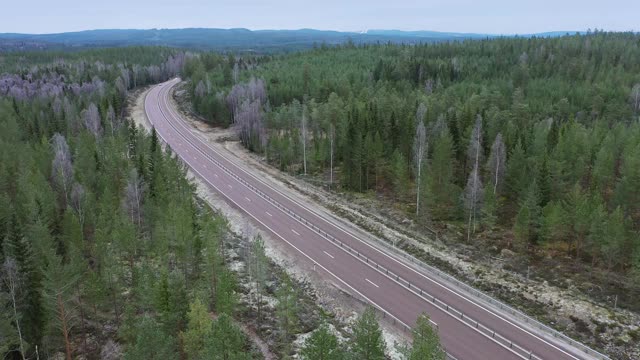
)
(469, 329)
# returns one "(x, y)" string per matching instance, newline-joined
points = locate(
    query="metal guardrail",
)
(385, 271)
(422, 293)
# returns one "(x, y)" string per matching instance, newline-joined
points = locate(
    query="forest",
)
(105, 250)
(536, 139)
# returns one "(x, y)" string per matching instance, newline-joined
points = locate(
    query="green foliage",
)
(367, 342)
(199, 331)
(426, 344)
(151, 342)
(227, 341)
(287, 313)
(322, 345)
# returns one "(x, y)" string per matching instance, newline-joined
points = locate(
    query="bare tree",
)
(62, 168)
(12, 283)
(497, 162)
(91, 118)
(420, 150)
(635, 97)
(133, 198)
(236, 73)
(332, 136)
(112, 120)
(200, 90)
(78, 196)
(473, 191)
(303, 137)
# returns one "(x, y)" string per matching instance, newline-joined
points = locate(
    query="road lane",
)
(458, 337)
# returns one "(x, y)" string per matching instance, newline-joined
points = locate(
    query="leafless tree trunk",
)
(497, 162)
(91, 118)
(134, 197)
(11, 280)
(62, 316)
(62, 168)
(635, 98)
(332, 135)
(420, 148)
(473, 191)
(303, 135)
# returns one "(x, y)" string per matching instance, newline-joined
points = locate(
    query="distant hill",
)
(243, 40)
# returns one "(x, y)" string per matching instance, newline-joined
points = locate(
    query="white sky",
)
(486, 16)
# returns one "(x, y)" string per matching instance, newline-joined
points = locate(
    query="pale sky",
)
(483, 16)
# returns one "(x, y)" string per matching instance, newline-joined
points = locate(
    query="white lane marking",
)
(249, 200)
(230, 187)
(268, 213)
(372, 283)
(216, 175)
(329, 255)
(295, 232)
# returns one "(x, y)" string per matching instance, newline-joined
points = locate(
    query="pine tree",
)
(226, 298)
(31, 301)
(258, 270)
(199, 331)
(322, 345)
(528, 220)
(227, 341)
(151, 342)
(442, 192)
(367, 342)
(518, 172)
(286, 312)
(400, 177)
(426, 343)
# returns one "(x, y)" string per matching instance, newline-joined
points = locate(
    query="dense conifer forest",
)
(535, 138)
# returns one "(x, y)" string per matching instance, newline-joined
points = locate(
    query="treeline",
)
(540, 136)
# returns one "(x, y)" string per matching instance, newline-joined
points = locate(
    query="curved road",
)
(469, 329)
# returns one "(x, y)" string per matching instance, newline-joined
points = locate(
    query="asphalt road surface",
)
(468, 328)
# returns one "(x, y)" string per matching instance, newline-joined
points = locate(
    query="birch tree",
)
(303, 137)
(635, 98)
(134, 193)
(62, 168)
(497, 163)
(332, 136)
(473, 192)
(420, 150)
